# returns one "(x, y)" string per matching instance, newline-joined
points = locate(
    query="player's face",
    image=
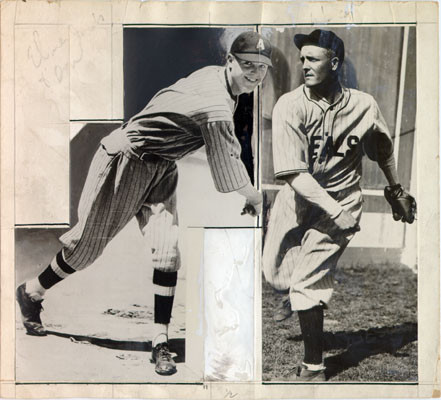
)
(245, 75)
(318, 66)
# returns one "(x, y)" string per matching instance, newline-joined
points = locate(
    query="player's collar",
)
(340, 102)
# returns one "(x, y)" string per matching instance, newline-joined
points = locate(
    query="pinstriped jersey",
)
(180, 119)
(170, 124)
(327, 140)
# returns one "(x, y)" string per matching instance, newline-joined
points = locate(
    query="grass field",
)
(370, 328)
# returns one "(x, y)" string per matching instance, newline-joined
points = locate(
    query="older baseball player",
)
(320, 132)
(133, 174)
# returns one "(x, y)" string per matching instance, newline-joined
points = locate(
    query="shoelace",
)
(293, 371)
(164, 353)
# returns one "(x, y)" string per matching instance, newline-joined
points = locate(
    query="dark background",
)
(155, 58)
(372, 64)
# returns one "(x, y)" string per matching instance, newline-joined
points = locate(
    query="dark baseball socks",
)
(164, 286)
(311, 325)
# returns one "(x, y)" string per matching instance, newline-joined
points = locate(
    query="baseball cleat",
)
(162, 357)
(283, 310)
(302, 374)
(30, 312)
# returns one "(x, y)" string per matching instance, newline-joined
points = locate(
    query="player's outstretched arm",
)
(223, 154)
(306, 186)
(253, 202)
(402, 203)
(227, 169)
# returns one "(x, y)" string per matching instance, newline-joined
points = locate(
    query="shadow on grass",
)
(176, 345)
(366, 343)
(363, 344)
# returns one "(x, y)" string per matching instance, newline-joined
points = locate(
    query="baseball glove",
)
(402, 203)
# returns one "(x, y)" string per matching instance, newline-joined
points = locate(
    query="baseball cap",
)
(326, 39)
(251, 46)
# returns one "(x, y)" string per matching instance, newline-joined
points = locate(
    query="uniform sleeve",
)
(378, 144)
(290, 144)
(223, 153)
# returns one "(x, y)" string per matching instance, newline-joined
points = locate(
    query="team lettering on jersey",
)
(329, 148)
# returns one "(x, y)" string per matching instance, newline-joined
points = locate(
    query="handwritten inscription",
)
(229, 394)
(43, 56)
(44, 81)
(79, 57)
(98, 18)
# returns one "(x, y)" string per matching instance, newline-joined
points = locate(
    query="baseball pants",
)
(117, 189)
(302, 249)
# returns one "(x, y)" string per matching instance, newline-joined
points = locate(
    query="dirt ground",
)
(100, 319)
(100, 323)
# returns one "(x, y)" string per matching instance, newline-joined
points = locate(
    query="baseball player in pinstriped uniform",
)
(133, 174)
(320, 132)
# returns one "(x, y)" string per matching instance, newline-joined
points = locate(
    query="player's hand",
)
(346, 223)
(254, 199)
(253, 204)
(251, 209)
(403, 204)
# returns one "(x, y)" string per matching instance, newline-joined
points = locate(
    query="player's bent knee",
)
(167, 264)
(268, 264)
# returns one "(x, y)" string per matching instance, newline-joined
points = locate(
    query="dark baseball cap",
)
(251, 46)
(326, 39)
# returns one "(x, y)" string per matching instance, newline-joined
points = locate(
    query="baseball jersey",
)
(327, 140)
(180, 119)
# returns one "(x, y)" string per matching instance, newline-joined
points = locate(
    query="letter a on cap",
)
(260, 45)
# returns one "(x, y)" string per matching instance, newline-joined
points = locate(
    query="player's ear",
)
(335, 63)
(230, 60)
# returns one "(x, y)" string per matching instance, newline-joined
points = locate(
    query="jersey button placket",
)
(326, 121)
(325, 130)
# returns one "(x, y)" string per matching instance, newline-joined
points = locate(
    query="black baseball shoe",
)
(283, 310)
(162, 357)
(303, 374)
(30, 312)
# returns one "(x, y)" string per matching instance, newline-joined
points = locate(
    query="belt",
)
(118, 142)
(144, 156)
